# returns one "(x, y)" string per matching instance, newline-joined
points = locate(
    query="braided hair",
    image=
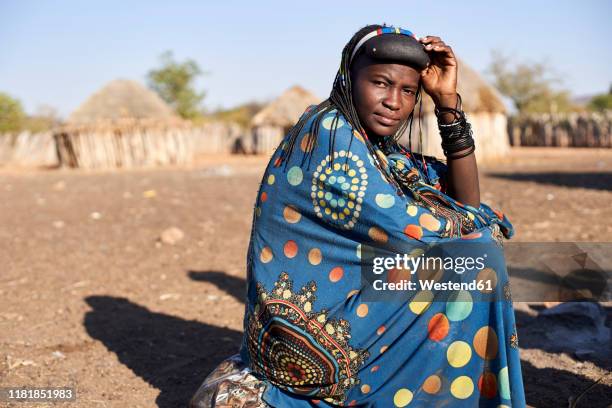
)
(341, 100)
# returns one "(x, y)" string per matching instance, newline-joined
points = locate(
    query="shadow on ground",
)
(232, 285)
(594, 181)
(581, 330)
(172, 354)
(550, 387)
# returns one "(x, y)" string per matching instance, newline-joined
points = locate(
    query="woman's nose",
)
(392, 99)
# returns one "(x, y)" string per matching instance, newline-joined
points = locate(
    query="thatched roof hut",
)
(122, 100)
(285, 110)
(124, 124)
(272, 122)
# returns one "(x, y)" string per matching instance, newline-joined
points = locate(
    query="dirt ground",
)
(90, 298)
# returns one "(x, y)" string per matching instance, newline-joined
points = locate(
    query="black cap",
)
(397, 48)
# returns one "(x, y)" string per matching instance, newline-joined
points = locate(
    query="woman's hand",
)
(439, 79)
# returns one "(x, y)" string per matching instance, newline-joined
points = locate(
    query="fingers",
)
(435, 44)
(429, 38)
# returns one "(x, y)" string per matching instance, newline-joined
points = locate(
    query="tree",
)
(174, 82)
(529, 86)
(601, 102)
(11, 114)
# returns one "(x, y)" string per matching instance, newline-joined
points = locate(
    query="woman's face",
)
(384, 94)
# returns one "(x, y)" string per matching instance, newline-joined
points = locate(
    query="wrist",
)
(445, 100)
(455, 131)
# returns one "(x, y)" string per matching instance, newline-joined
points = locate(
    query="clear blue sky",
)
(58, 52)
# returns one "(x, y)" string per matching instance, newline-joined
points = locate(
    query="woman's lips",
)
(384, 120)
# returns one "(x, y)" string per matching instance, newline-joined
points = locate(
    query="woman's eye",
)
(408, 91)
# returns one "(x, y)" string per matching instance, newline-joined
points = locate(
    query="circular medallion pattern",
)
(338, 189)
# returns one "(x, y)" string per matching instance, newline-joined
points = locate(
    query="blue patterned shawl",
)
(309, 331)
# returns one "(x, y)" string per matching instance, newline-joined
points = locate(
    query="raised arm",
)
(439, 80)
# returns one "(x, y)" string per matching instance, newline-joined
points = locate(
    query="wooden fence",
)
(27, 149)
(138, 144)
(562, 130)
(107, 147)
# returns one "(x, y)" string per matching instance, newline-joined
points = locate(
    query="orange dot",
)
(413, 231)
(378, 235)
(487, 384)
(352, 403)
(438, 327)
(266, 255)
(472, 235)
(429, 222)
(264, 197)
(290, 249)
(374, 369)
(291, 214)
(432, 384)
(381, 330)
(383, 349)
(485, 343)
(336, 274)
(499, 214)
(315, 256)
(362, 310)
(277, 162)
(365, 388)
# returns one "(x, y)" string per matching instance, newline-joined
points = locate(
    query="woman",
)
(339, 189)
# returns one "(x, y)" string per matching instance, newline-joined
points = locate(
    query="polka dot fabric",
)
(309, 330)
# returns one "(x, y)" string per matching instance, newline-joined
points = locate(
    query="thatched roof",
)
(120, 100)
(477, 95)
(285, 110)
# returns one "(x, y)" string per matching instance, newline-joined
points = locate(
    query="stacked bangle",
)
(457, 135)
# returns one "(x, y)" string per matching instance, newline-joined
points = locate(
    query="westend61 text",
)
(404, 284)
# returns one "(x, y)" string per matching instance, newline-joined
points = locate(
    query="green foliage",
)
(601, 102)
(174, 82)
(241, 115)
(11, 114)
(529, 86)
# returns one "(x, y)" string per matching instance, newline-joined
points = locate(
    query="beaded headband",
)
(393, 44)
(380, 31)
